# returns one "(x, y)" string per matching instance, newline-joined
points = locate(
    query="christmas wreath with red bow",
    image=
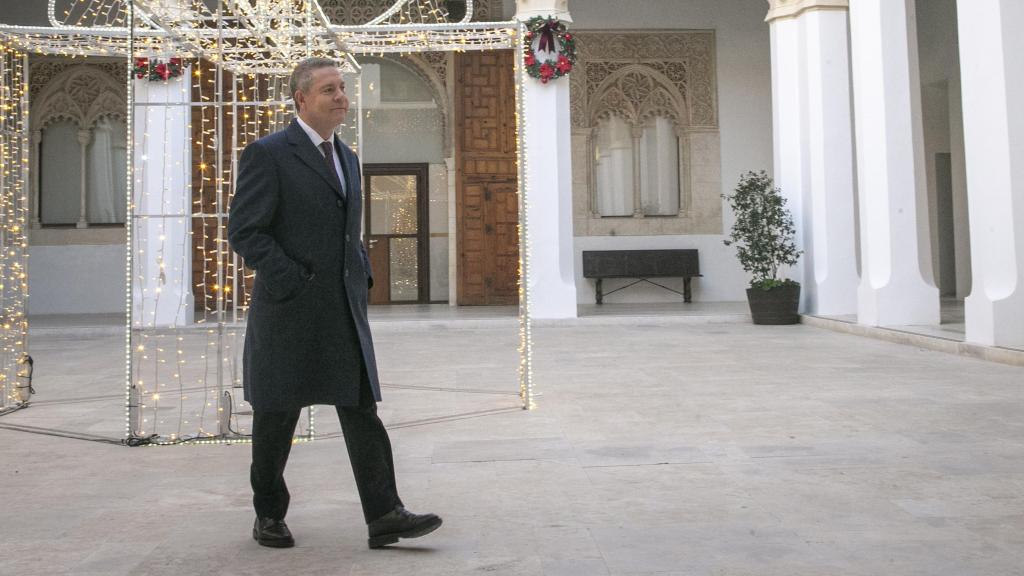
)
(154, 69)
(553, 38)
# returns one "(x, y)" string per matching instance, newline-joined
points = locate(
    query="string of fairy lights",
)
(187, 292)
(14, 146)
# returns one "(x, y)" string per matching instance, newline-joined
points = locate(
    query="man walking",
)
(295, 219)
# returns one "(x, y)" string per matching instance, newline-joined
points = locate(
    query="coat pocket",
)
(300, 287)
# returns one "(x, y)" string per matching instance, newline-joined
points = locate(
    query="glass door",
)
(397, 233)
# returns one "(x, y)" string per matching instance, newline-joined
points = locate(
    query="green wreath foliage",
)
(156, 70)
(551, 31)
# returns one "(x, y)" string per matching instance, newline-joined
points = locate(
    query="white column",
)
(991, 47)
(895, 254)
(788, 93)
(551, 279)
(814, 146)
(161, 240)
(637, 133)
(84, 137)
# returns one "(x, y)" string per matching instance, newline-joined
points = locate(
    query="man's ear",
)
(299, 98)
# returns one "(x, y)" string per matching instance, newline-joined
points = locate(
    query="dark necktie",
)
(329, 158)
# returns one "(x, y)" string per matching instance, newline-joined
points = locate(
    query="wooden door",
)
(487, 199)
(397, 233)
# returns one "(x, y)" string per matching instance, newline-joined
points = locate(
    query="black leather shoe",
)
(273, 533)
(400, 523)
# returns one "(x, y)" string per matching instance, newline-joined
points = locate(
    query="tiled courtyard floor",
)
(657, 447)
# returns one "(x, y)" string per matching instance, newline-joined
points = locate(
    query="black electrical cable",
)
(60, 434)
(12, 409)
(231, 411)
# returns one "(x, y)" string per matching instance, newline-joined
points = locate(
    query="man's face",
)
(325, 104)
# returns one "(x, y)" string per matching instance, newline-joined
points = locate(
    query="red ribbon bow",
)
(547, 37)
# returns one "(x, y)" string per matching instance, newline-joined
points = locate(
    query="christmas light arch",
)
(234, 59)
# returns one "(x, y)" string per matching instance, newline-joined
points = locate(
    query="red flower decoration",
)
(162, 71)
(555, 40)
(564, 65)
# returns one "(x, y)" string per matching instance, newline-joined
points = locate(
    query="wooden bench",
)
(643, 265)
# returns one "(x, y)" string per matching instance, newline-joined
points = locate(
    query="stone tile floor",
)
(657, 447)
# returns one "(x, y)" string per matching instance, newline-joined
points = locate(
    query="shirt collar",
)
(313, 135)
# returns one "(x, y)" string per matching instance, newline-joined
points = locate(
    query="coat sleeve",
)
(252, 211)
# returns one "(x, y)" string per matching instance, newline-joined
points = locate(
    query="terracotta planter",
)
(775, 306)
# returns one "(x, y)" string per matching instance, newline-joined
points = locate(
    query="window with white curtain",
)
(106, 193)
(659, 168)
(613, 164)
(60, 177)
(654, 155)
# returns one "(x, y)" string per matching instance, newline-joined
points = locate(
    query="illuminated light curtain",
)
(613, 167)
(659, 168)
(106, 173)
(14, 147)
(245, 39)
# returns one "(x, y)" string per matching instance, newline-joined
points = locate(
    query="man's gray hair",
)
(302, 75)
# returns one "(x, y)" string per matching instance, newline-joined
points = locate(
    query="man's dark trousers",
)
(369, 451)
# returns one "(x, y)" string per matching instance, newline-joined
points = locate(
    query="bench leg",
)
(598, 294)
(687, 295)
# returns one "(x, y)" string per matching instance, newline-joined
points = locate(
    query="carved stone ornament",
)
(637, 76)
(682, 64)
(352, 12)
(79, 93)
(43, 69)
(792, 8)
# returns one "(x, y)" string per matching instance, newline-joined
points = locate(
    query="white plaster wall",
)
(79, 279)
(744, 105)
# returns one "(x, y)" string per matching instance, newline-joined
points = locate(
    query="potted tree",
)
(763, 234)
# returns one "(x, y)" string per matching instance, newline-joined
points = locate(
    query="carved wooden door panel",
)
(487, 205)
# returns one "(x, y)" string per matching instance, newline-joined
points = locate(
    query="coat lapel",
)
(303, 147)
(340, 149)
(350, 167)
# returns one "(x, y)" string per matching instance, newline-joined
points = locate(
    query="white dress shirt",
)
(317, 141)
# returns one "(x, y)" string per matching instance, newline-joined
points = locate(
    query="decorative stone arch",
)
(638, 75)
(82, 94)
(637, 93)
(609, 112)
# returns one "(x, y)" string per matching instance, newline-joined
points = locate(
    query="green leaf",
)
(763, 232)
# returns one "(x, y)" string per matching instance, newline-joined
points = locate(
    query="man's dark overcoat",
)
(307, 339)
